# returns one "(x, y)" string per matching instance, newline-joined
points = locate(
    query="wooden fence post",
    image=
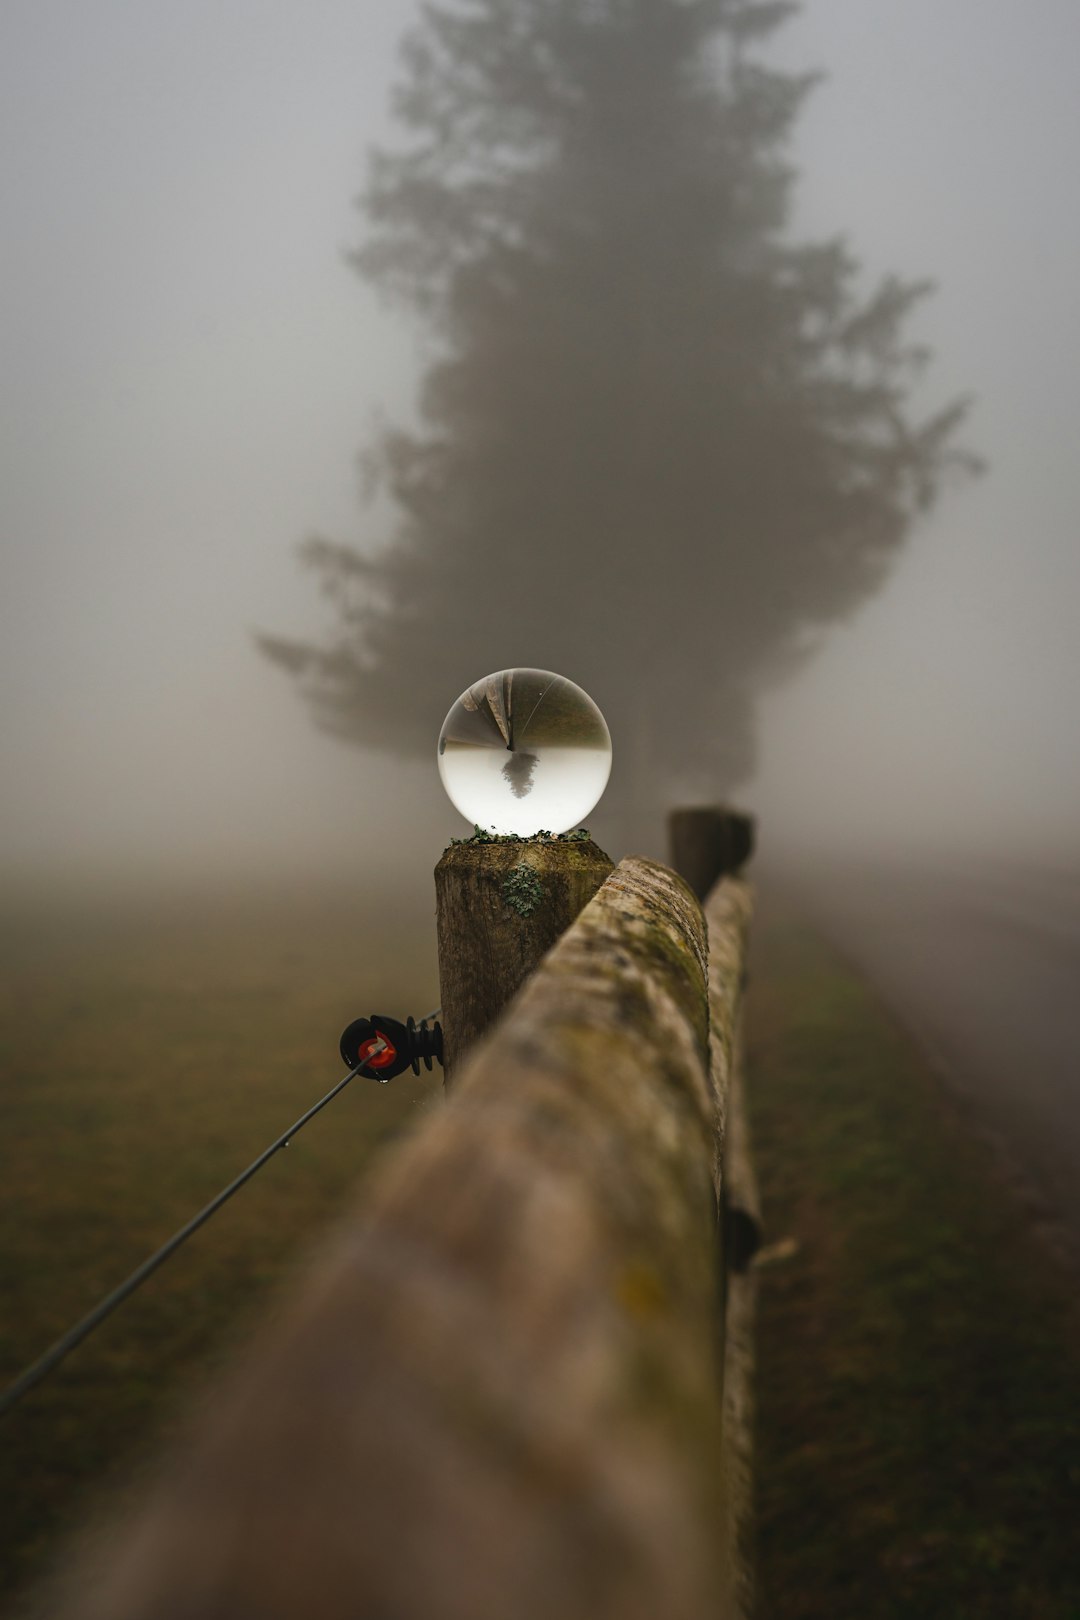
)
(707, 843)
(499, 908)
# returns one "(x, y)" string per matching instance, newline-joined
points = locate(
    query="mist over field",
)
(717, 355)
(190, 367)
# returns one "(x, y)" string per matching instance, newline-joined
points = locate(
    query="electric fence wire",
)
(104, 1308)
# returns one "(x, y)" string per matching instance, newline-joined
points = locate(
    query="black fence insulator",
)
(384, 1047)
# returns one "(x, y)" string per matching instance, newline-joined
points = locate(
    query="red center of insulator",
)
(376, 1052)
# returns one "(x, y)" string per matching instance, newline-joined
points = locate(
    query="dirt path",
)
(983, 969)
(918, 1377)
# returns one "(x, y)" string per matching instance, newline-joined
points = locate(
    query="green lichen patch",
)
(522, 889)
(481, 835)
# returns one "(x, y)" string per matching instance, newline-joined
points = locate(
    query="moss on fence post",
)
(501, 904)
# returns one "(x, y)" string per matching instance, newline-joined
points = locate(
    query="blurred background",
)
(190, 367)
(879, 658)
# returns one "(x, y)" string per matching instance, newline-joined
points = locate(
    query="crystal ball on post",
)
(524, 751)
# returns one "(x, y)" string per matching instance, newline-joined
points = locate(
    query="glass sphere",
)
(524, 751)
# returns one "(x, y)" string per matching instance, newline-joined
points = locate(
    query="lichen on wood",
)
(484, 835)
(490, 939)
(522, 889)
(728, 909)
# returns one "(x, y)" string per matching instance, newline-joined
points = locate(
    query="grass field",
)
(919, 1356)
(147, 1054)
(918, 1382)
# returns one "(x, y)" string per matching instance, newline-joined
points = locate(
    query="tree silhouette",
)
(661, 445)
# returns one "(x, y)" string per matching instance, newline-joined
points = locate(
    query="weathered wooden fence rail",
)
(501, 1397)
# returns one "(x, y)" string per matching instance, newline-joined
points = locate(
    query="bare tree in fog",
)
(661, 445)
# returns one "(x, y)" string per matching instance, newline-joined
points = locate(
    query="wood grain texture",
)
(488, 943)
(728, 911)
(740, 1310)
(499, 1397)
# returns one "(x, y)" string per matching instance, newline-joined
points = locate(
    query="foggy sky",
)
(188, 367)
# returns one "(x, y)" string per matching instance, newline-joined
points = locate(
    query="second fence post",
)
(500, 908)
(708, 842)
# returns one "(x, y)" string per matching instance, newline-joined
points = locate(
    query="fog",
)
(190, 366)
(941, 140)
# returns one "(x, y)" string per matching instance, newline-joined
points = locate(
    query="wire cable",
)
(104, 1308)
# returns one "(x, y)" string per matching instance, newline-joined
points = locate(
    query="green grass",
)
(918, 1385)
(147, 1054)
(918, 1379)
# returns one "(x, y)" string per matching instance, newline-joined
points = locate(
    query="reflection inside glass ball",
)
(524, 751)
